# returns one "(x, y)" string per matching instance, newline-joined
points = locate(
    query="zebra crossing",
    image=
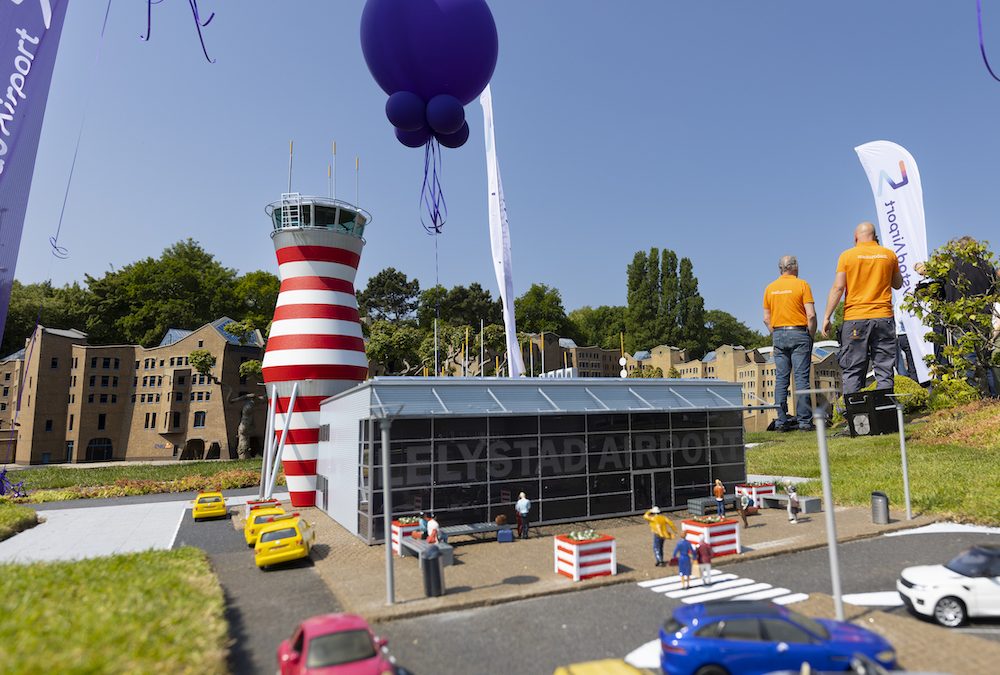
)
(723, 586)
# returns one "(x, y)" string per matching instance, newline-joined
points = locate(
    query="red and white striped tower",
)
(315, 338)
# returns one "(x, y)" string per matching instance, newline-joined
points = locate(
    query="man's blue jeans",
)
(792, 355)
(658, 548)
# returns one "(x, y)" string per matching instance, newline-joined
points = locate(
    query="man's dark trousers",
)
(865, 341)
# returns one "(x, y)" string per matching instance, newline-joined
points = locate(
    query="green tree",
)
(393, 348)
(459, 306)
(389, 295)
(601, 326)
(541, 309)
(185, 287)
(647, 372)
(692, 335)
(725, 329)
(256, 294)
(642, 315)
(53, 307)
(968, 318)
(673, 373)
(669, 299)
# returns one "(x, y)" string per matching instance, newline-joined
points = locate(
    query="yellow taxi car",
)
(256, 520)
(605, 667)
(283, 539)
(209, 505)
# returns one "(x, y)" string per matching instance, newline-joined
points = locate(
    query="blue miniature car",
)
(754, 637)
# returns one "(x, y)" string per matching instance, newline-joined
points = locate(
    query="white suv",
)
(968, 586)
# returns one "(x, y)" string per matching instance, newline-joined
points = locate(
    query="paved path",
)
(262, 608)
(83, 530)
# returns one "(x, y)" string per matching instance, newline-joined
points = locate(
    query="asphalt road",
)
(262, 608)
(538, 635)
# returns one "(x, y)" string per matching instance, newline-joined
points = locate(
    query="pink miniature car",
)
(336, 643)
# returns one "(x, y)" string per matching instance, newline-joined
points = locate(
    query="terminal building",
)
(581, 448)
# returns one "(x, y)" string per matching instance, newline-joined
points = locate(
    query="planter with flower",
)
(755, 490)
(584, 554)
(403, 527)
(722, 534)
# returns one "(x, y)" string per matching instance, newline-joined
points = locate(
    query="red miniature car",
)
(336, 643)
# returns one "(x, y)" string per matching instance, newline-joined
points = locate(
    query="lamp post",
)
(902, 452)
(385, 423)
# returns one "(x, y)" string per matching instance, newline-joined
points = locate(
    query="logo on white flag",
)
(883, 178)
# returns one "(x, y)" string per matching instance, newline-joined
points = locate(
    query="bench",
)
(705, 506)
(472, 529)
(780, 501)
(414, 547)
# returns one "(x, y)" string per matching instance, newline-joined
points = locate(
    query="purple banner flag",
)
(29, 38)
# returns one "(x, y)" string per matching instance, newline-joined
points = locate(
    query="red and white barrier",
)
(723, 537)
(258, 504)
(585, 559)
(755, 492)
(398, 532)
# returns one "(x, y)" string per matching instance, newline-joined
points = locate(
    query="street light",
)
(819, 420)
(902, 451)
(385, 416)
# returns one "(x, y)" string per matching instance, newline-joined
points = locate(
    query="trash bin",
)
(432, 565)
(880, 508)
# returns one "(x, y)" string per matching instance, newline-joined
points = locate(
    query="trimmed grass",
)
(15, 518)
(150, 612)
(58, 483)
(951, 473)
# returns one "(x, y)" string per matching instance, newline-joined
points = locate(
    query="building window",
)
(99, 449)
(106, 363)
(153, 420)
(159, 381)
(178, 396)
(93, 380)
(74, 362)
(6, 391)
(161, 363)
(55, 361)
(133, 398)
(117, 363)
(145, 424)
(105, 380)
(201, 396)
(157, 398)
(171, 361)
(192, 395)
(135, 381)
(93, 362)
(104, 398)
(201, 343)
(6, 377)
(114, 398)
(180, 379)
(176, 422)
(199, 419)
(74, 381)
(90, 398)
(114, 381)
(102, 421)
(137, 365)
(48, 425)
(3, 406)
(208, 395)
(71, 424)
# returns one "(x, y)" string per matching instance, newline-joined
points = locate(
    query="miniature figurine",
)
(793, 503)
(661, 528)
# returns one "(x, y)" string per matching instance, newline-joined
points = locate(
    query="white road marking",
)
(728, 593)
(646, 656)
(789, 599)
(763, 595)
(676, 586)
(877, 599)
(704, 589)
(946, 528)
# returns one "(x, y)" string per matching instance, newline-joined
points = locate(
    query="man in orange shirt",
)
(868, 272)
(790, 317)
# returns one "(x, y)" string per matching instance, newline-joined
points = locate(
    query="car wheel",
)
(712, 670)
(949, 612)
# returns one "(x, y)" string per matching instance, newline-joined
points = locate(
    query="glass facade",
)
(572, 467)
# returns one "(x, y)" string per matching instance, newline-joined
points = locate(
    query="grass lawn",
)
(56, 483)
(151, 612)
(14, 518)
(953, 456)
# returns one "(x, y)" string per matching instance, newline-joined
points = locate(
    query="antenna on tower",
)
(334, 189)
(357, 181)
(290, 146)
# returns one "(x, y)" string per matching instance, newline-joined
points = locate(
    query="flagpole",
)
(334, 191)
(482, 346)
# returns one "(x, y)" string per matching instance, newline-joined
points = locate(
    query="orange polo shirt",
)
(869, 268)
(785, 298)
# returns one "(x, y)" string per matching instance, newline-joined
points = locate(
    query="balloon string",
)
(432, 202)
(982, 45)
(198, 23)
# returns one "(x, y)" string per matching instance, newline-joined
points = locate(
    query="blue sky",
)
(722, 130)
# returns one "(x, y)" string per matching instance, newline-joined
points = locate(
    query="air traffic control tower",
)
(315, 338)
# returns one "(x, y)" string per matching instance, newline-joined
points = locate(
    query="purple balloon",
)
(455, 140)
(430, 47)
(406, 111)
(413, 139)
(445, 114)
